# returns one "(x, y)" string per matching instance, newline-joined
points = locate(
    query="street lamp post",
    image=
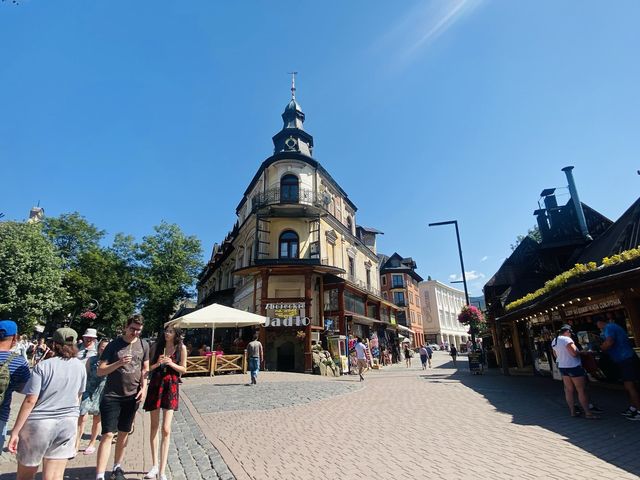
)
(464, 276)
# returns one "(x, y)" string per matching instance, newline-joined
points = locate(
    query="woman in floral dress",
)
(168, 362)
(90, 404)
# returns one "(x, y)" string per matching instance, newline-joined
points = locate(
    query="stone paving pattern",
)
(399, 423)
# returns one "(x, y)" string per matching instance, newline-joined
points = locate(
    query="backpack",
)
(5, 375)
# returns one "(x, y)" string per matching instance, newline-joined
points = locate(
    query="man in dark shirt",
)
(125, 363)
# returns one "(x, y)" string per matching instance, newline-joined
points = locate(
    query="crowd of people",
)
(68, 381)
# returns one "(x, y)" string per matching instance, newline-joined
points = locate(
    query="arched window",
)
(288, 244)
(289, 190)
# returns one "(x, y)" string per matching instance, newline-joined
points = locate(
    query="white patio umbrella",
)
(219, 316)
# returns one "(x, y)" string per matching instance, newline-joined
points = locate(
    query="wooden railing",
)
(217, 364)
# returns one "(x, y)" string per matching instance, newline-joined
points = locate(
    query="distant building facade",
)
(399, 284)
(441, 305)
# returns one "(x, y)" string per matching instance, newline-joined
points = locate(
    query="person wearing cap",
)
(88, 348)
(19, 372)
(574, 377)
(46, 426)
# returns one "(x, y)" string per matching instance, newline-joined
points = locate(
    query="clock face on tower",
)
(291, 143)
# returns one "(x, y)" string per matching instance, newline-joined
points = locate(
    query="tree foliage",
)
(30, 275)
(72, 235)
(533, 233)
(169, 262)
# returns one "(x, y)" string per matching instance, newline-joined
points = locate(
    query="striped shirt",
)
(20, 374)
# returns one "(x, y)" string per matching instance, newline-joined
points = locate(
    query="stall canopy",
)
(216, 316)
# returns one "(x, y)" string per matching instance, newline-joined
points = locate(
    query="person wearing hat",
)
(47, 422)
(88, 348)
(19, 372)
(574, 377)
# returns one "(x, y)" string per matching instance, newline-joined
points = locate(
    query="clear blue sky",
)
(137, 112)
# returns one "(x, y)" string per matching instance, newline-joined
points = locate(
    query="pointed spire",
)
(293, 84)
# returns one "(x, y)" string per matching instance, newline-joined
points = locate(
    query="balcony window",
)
(289, 244)
(398, 298)
(289, 189)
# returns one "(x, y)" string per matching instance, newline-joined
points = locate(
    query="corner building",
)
(297, 256)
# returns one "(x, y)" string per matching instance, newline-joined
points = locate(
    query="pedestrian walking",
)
(424, 356)
(429, 354)
(256, 357)
(14, 372)
(88, 348)
(407, 354)
(574, 377)
(168, 363)
(125, 363)
(616, 344)
(41, 351)
(46, 426)
(361, 357)
(90, 403)
(453, 351)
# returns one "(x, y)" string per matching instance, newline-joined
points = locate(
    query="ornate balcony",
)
(273, 196)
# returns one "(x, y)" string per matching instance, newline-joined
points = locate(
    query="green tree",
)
(72, 235)
(30, 275)
(169, 265)
(533, 233)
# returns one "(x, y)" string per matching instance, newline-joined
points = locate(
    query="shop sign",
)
(592, 307)
(291, 321)
(285, 306)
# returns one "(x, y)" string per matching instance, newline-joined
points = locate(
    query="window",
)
(398, 298)
(384, 295)
(397, 281)
(368, 278)
(288, 244)
(350, 224)
(410, 297)
(352, 267)
(384, 280)
(354, 303)
(289, 190)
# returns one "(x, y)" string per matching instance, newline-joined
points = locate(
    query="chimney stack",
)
(582, 221)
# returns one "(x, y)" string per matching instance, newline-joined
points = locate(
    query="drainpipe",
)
(582, 222)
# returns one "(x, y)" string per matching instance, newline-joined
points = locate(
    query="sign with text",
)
(296, 321)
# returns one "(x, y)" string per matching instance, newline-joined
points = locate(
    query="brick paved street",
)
(399, 423)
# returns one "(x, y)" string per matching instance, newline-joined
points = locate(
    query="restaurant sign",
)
(593, 307)
(286, 315)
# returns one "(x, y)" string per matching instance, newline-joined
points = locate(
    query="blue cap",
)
(8, 328)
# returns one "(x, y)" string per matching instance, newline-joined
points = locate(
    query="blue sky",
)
(137, 112)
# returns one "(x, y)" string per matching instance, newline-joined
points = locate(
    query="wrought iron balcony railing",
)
(274, 196)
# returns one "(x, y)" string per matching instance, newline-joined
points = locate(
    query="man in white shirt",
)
(361, 356)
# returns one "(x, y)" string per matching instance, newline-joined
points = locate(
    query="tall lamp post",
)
(464, 276)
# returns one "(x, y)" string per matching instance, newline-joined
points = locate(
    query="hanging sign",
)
(593, 307)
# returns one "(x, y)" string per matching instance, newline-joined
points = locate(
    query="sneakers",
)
(628, 412)
(153, 473)
(633, 415)
(118, 474)
(595, 409)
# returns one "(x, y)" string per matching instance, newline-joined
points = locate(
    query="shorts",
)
(362, 363)
(118, 413)
(51, 438)
(423, 358)
(628, 369)
(573, 372)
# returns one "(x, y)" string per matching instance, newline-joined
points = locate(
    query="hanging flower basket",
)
(473, 317)
(88, 316)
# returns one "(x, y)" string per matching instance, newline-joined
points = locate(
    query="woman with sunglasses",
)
(168, 363)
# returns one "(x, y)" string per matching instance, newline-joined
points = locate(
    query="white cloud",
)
(424, 24)
(484, 259)
(471, 276)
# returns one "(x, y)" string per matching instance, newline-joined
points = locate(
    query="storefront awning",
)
(362, 320)
(402, 328)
